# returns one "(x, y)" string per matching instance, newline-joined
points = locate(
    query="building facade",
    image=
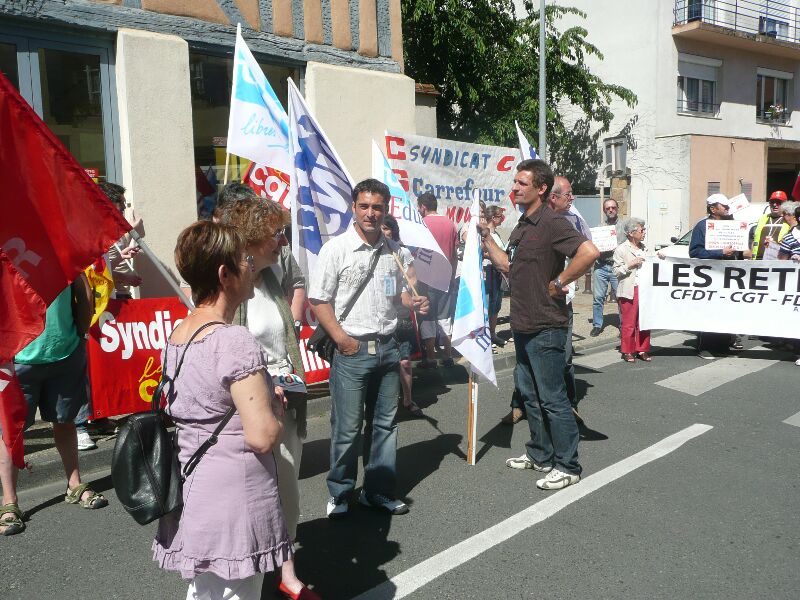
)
(139, 90)
(717, 87)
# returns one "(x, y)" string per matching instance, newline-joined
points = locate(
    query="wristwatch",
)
(297, 326)
(557, 282)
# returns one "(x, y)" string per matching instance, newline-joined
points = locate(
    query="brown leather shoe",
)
(513, 417)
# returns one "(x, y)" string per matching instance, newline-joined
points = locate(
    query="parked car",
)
(680, 245)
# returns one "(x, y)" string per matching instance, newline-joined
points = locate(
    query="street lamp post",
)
(542, 84)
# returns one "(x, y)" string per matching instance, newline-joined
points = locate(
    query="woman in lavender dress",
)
(231, 529)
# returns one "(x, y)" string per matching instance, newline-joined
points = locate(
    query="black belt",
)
(374, 337)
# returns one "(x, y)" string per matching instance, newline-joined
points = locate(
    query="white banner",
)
(453, 172)
(721, 234)
(722, 296)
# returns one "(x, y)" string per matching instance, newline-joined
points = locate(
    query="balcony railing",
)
(773, 115)
(696, 107)
(772, 18)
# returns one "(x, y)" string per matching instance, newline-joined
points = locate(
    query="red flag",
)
(56, 222)
(796, 189)
(12, 417)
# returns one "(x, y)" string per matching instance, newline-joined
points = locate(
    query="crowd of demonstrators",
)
(718, 208)
(407, 333)
(224, 366)
(771, 228)
(603, 275)
(359, 267)
(535, 261)
(628, 260)
(790, 247)
(51, 371)
(437, 323)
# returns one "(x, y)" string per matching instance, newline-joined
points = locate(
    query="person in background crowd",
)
(790, 247)
(235, 486)
(770, 228)
(603, 274)
(442, 304)
(119, 258)
(535, 259)
(718, 207)
(364, 378)
(628, 259)
(406, 330)
(268, 317)
(493, 277)
(51, 371)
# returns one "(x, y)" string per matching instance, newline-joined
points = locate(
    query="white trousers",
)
(288, 461)
(208, 586)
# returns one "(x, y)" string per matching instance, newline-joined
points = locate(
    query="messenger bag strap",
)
(370, 271)
(211, 441)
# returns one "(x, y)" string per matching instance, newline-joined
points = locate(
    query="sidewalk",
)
(42, 455)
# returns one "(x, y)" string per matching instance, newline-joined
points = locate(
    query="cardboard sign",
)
(738, 203)
(605, 238)
(124, 351)
(722, 234)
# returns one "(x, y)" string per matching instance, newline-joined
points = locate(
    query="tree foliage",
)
(484, 60)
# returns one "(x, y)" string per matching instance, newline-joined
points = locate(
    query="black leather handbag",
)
(320, 342)
(144, 466)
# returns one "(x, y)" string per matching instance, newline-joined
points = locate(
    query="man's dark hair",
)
(234, 191)
(113, 191)
(541, 173)
(372, 186)
(428, 200)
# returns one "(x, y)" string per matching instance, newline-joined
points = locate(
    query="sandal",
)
(645, 356)
(13, 524)
(414, 409)
(512, 418)
(628, 357)
(94, 500)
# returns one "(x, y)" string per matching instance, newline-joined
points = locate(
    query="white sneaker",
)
(797, 362)
(85, 442)
(556, 480)
(523, 462)
(335, 509)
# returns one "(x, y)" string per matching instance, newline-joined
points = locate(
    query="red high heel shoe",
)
(303, 594)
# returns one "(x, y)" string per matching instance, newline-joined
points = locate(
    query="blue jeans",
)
(364, 386)
(569, 369)
(554, 439)
(601, 278)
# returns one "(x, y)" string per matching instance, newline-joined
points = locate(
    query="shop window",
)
(772, 98)
(8, 63)
(210, 82)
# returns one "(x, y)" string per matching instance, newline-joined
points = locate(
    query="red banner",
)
(124, 349)
(316, 369)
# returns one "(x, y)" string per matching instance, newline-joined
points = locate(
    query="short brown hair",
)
(540, 172)
(257, 219)
(201, 249)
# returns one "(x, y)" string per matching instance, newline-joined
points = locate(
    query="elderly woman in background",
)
(628, 259)
(231, 529)
(790, 245)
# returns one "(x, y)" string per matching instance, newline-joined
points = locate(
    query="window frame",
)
(29, 41)
(761, 110)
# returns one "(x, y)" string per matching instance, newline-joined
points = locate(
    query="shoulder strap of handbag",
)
(213, 438)
(373, 263)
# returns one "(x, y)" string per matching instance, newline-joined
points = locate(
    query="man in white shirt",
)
(364, 379)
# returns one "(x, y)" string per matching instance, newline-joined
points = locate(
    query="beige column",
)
(396, 19)
(156, 143)
(340, 23)
(312, 21)
(368, 27)
(282, 18)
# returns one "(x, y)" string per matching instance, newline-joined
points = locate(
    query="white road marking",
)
(414, 578)
(716, 373)
(605, 358)
(793, 420)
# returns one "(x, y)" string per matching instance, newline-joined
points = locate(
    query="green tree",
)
(484, 59)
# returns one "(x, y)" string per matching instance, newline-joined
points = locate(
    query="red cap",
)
(778, 195)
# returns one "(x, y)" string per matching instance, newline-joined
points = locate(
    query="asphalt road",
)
(711, 515)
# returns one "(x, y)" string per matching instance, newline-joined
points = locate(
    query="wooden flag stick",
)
(405, 273)
(227, 162)
(472, 415)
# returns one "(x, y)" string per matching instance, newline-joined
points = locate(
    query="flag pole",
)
(154, 259)
(227, 164)
(405, 273)
(472, 417)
